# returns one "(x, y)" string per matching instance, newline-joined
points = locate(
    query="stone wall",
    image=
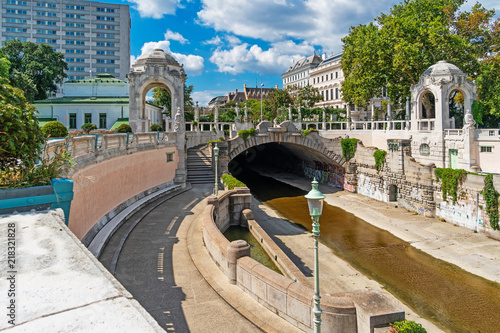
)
(289, 296)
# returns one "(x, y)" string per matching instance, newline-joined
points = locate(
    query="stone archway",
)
(441, 79)
(154, 69)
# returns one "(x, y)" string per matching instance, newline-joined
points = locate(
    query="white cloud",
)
(233, 40)
(252, 58)
(170, 35)
(214, 41)
(193, 64)
(132, 60)
(321, 22)
(155, 8)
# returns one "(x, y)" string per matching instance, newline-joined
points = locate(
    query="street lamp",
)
(261, 114)
(216, 155)
(315, 202)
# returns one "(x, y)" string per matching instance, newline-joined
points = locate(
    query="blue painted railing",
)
(61, 198)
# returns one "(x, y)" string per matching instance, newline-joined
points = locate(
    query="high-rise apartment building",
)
(93, 36)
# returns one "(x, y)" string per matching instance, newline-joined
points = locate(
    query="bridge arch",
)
(286, 147)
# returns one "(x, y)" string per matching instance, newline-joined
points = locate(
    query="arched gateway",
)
(154, 69)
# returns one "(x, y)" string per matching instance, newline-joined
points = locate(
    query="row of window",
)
(325, 94)
(102, 52)
(53, 5)
(87, 119)
(106, 10)
(10, 20)
(45, 4)
(71, 77)
(98, 70)
(46, 41)
(53, 14)
(296, 77)
(76, 69)
(74, 33)
(75, 7)
(106, 35)
(75, 51)
(324, 78)
(425, 150)
(14, 2)
(75, 60)
(16, 30)
(99, 61)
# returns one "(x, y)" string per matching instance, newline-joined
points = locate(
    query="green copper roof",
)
(99, 78)
(119, 122)
(85, 100)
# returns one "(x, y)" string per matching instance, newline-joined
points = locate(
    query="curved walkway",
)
(157, 270)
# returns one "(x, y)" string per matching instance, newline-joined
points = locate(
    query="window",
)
(72, 120)
(14, 2)
(336, 75)
(22, 39)
(105, 44)
(45, 4)
(16, 30)
(80, 33)
(46, 32)
(16, 11)
(102, 120)
(80, 42)
(106, 10)
(46, 22)
(106, 35)
(70, 59)
(170, 156)
(80, 51)
(106, 27)
(70, 51)
(46, 14)
(80, 77)
(486, 149)
(105, 70)
(79, 69)
(70, 33)
(9, 20)
(79, 60)
(75, 7)
(78, 16)
(87, 118)
(336, 93)
(105, 18)
(425, 149)
(105, 61)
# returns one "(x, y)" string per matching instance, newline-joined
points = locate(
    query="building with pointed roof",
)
(298, 74)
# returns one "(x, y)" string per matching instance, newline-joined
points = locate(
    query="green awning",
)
(119, 122)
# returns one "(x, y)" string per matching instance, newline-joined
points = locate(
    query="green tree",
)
(306, 96)
(488, 85)
(162, 97)
(35, 68)
(393, 51)
(21, 137)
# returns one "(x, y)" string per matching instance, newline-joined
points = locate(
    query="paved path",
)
(156, 268)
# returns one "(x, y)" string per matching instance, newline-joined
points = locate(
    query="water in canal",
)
(256, 251)
(454, 299)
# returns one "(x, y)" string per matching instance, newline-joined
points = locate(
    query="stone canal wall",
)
(289, 296)
(409, 184)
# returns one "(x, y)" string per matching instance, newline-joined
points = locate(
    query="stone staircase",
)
(199, 165)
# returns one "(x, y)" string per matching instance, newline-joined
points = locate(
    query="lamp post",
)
(261, 113)
(216, 155)
(315, 202)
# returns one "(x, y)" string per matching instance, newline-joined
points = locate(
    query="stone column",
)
(236, 250)
(289, 113)
(348, 115)
(389, 115)
(323, 125)
(407, 127)
(179, 128)
(196, 112)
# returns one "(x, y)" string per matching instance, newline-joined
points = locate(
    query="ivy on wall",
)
(379, 158)
(450, 179)
(490, 195)
(246, 133)
(349, 148)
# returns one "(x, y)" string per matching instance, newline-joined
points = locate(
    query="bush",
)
(22, 138)
(156, 128)
(407, 326)
(379, 158)
(87, 127)
(246, 133)
(124, 128)
(230, 182)
(54, 129)
(348, 148)
(307, 131)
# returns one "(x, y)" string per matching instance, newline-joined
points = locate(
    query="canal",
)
(455, 300)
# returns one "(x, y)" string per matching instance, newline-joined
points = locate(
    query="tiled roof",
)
(99, 78)
(85, 100)
(311, 61)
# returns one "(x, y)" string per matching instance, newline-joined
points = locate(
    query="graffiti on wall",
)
(421, 209)
(466, 214)
(330, 174)
(367, 188)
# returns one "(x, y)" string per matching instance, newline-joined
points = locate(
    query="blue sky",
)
(224, 44)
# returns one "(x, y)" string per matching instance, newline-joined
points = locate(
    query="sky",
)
(224, 44)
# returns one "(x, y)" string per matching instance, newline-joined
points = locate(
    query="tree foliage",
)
(488, 85)
(35, 68)
(393, 51)
(306, 96)
(162, 97)
(21, 138)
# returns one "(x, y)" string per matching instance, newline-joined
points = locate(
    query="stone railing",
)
(95, 147)
(289, 296)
